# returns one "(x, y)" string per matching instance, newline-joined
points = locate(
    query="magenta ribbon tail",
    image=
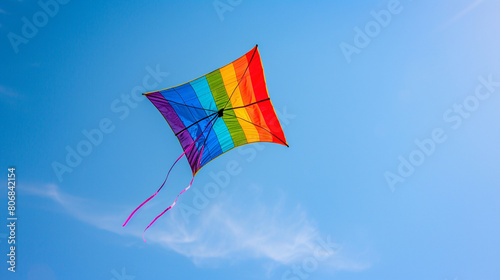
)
(129, 217)
(164, 211)
(157, 190)
(188, 149)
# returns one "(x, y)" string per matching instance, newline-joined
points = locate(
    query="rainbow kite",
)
(224, 109)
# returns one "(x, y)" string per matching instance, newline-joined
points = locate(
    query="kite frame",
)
(224, 108)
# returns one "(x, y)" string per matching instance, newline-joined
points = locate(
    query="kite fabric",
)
(224, 109)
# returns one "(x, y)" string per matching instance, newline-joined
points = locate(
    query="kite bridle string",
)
(244, 73)
(206, 138)
(261, 128)
(196, 123)
(244, 106)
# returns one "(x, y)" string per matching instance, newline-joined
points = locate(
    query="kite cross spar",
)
(222, 110)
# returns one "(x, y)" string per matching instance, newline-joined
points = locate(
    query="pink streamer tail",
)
(187, 150)
(170, 207)
(156, 191)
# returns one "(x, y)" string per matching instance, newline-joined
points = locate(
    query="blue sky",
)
(390, 109)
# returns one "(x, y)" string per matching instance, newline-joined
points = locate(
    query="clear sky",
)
(390, 109)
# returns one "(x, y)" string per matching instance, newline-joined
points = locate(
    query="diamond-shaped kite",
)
(224, 109)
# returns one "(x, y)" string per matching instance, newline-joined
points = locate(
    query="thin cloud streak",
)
(8, 92)
(462, 13)
(221, 231)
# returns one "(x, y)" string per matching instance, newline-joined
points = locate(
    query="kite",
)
(222, 110)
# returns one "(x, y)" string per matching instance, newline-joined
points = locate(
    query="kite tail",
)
(175, 201)
(169, 207)
(157, 190)
(185, 151)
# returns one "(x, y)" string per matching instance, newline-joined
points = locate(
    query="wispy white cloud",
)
(5, 91)
(80, 208)
(222, 231)
(460, 14)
